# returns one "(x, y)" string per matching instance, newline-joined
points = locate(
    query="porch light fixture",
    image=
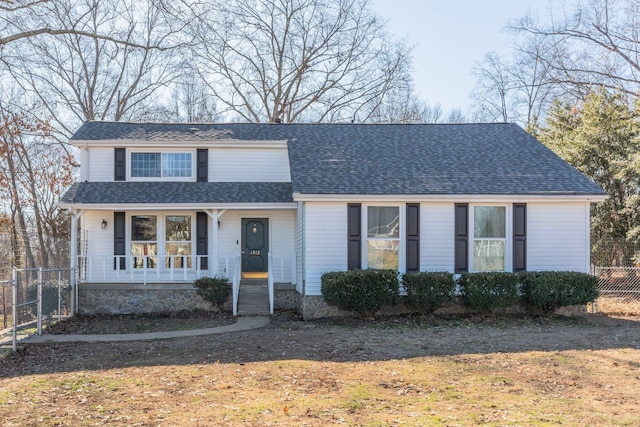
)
(218, 224)
(104, 224)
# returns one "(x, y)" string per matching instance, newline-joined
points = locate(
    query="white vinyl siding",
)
(98, 166)
(436, 236)
(96, 242)
(326, 241)
(558, 236)
(249, 165)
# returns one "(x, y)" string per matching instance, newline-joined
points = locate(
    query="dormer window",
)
(161, 165)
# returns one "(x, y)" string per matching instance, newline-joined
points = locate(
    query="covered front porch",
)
(162, 249)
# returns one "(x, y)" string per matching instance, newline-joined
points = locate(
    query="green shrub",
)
(362, 291)
(215, 290)
(428, 291)
(487, 292)
(546, 291)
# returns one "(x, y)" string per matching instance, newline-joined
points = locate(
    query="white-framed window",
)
(144, 241)
(383, 237)
(178, 246)
(490, 238)
(163, 240)
(162, 165)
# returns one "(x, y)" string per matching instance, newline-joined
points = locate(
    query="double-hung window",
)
(161, 241)
(161, 165)
(144, 241)
(178, 241)
(383, 237)
(489, 238)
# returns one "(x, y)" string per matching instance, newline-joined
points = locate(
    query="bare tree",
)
(35, 172)
(296, 60)
(493, 89)
(596, 43)
(15, 24)
(192, 101)
(80, 78)
(517, 88)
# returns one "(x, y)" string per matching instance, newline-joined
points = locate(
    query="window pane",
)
(145, 165)
(143, 228)
(383, 221)
(142, 252)
(178, 228)
(176, 164)
(488, 255)
(382, 254)
(179, 253)
(489, 221)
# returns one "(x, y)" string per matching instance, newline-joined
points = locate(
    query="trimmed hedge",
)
(486, 292)
(428, 291)
(544, 292)
(215, 290)
(362, 291)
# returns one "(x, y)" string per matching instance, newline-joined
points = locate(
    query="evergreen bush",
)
(427, 291)
(544, 292)
(486, 292)
(362, 291)
(215, 290)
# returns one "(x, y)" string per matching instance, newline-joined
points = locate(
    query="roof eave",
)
(530, 197)
(175, 207)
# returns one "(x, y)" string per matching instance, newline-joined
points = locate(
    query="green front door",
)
(255, 247)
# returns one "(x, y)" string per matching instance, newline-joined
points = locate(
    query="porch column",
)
(73, 255)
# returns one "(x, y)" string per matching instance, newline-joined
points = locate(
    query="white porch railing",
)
(156, 268)
(237, 275)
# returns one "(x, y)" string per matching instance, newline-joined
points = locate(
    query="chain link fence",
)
(32, 298)
(617, 265)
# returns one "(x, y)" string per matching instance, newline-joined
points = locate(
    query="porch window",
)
(178, 241)
(161, 165)
(383, 237)
(489, 238)
(144, 241)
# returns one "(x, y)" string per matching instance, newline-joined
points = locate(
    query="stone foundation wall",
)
(158, 298)
(111, 300)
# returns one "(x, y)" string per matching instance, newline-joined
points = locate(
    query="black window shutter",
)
(461, 263)
(120, 164)
(519, 237)
(202, 165)
(413, 237)
(354, 239)
(202, 239)
(119, 240)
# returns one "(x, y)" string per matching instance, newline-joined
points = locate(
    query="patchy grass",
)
(532, 388)
(507, 373)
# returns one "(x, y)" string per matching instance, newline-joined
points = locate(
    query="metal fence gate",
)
(31, 297)
(619, 290)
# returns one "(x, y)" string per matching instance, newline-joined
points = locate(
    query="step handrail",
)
(270, 281)
(236, 285)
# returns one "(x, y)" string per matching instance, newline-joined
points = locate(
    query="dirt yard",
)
(391, 372)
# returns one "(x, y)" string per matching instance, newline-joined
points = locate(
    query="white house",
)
(162, 204)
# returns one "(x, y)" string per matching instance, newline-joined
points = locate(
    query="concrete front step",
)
(253, 298)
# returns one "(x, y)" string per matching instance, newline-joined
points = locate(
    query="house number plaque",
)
(254, 252)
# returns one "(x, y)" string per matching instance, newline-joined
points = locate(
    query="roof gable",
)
(379, 159)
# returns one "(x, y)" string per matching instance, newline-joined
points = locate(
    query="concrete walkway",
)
(242, 324)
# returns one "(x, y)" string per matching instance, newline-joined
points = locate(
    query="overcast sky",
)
(450, 35)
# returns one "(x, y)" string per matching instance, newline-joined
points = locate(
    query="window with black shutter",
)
(413, 237)
(461, 263)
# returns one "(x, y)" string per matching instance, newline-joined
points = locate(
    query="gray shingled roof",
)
(178, 193)
(378, 159)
